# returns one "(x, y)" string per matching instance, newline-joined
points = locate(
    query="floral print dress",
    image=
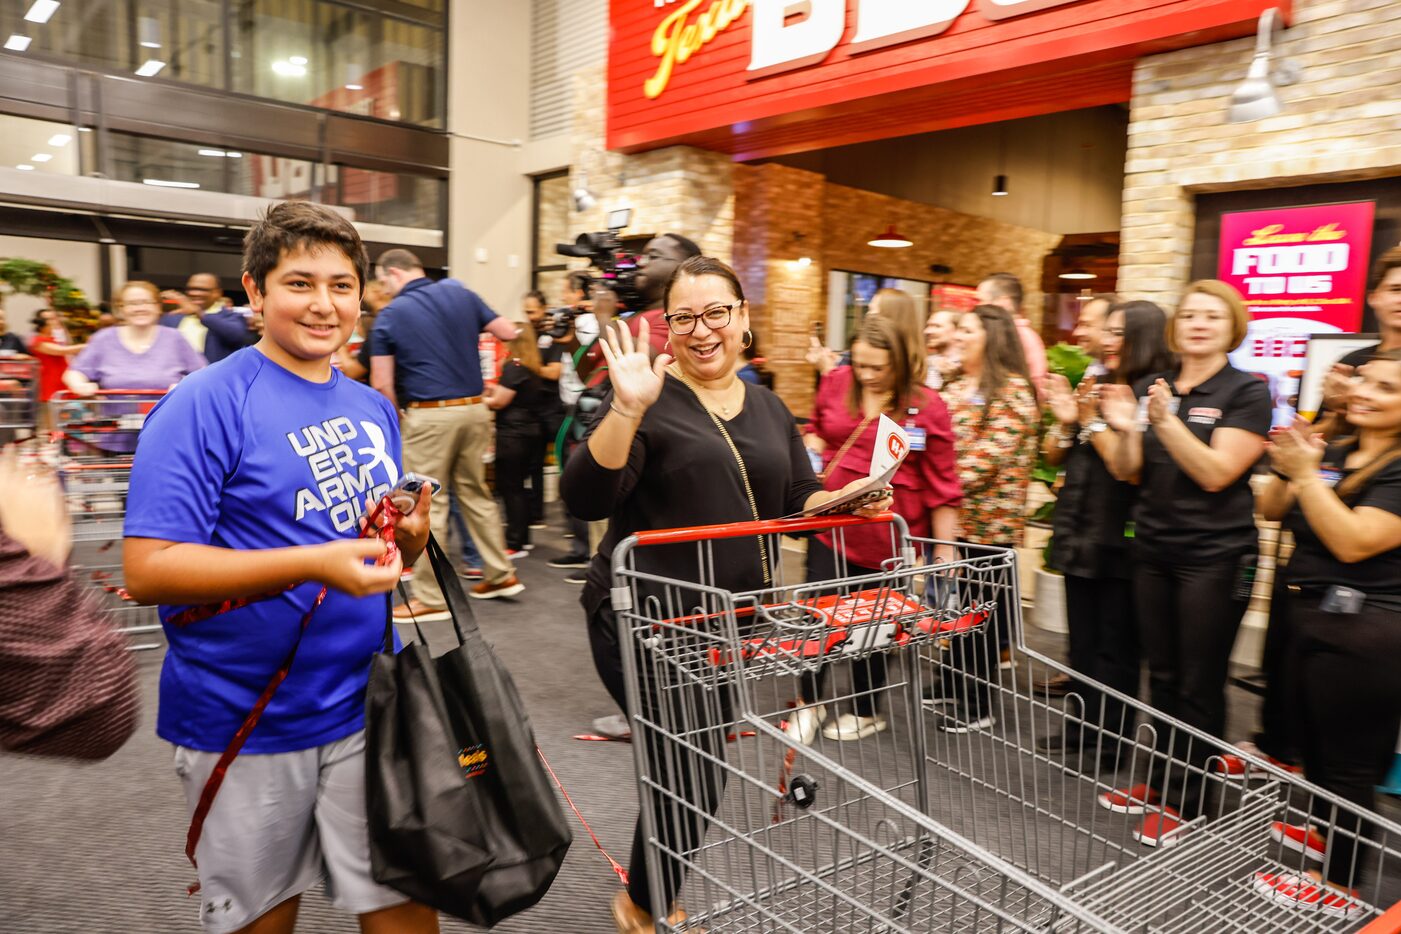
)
(995, 440)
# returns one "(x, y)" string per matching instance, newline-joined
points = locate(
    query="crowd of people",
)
(653, 423)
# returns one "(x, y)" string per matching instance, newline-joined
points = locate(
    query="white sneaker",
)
(804, 723)
(849, 726)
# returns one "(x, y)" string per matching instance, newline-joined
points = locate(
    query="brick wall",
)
(679, 189)
(1341, 121)
(783, 213)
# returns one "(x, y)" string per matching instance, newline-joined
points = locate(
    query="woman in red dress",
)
(52, 347)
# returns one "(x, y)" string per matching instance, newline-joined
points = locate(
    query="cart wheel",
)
(802, 791)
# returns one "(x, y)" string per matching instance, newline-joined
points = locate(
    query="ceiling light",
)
(150, 68)
(216, 153)
(804, 260)
(84, 129)
(25, 167)
(41, 11)
(233, 155)
(60, 139)
(162, 183)
(288, 69)
(890, 238)
(1086, 295)
(999, 186)
(1077, 272)
(17, 43)
(41, 157)
(355, 87)
(297, 59)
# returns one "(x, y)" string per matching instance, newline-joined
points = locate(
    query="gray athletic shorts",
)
(280, 824)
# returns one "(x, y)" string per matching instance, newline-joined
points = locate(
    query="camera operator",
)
(551, 410)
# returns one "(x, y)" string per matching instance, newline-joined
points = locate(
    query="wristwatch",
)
(1093, 428)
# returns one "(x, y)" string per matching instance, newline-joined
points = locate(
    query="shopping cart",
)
(916, 829)
(93, 442)
(19, 397)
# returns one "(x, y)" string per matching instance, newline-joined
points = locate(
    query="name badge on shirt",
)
(1330, 476)
(918, 437)
(1204, 416)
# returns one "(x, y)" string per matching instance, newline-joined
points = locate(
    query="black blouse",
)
(1313, 565)
(681, 473)
(1092, 511)
(1175, 519)
(527, 409)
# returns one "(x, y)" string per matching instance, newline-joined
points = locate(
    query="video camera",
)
(616, 270)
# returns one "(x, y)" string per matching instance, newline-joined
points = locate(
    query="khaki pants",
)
(447, 444)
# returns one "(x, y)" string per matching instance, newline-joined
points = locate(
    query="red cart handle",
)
(702, 533)
(1388, 923)
(70, 396)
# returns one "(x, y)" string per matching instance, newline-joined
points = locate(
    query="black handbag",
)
(462, 815)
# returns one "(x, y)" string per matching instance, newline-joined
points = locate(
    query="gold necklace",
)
(708, 398)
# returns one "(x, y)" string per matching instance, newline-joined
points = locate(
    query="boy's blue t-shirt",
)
(247, 455)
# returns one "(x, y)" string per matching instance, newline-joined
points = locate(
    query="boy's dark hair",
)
(687, 245)
(300, 225)
(399, 258)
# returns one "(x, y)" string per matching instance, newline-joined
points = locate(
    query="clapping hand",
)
(1159, 402)
(636, 379)
(1119, 406)
(1296, 451)
(1337, 383)
(823, 358)
(32, 509)
(1060, 398)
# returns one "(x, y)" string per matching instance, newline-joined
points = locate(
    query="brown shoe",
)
(633, 920)
(507, 588)
(1059, 686)
(417, 611)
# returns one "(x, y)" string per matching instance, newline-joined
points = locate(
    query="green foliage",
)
(1069, 361)
(32, 277)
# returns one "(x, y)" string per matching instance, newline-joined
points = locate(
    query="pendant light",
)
(890, 238)
(1077, 272)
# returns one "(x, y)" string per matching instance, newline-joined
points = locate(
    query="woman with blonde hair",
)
(1188, 438)
(519, 400)
(138, 354)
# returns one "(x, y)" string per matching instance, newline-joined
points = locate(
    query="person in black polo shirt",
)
(1342, 594)
(426, 340)
(1089, 541)
(1385, 302)
(1203, 427)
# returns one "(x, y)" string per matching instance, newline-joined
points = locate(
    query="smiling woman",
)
(683, 442)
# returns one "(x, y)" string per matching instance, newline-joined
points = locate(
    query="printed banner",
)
(1303, 271)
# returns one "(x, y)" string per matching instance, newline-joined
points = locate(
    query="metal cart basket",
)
(916, 828)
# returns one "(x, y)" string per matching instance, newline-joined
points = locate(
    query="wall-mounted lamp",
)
(583, 199)
(1255, 98)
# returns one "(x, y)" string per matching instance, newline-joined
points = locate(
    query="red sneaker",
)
(1133, 800)
(1300, 839)
(1303, 892)
(1162, 828)
(1229, 764)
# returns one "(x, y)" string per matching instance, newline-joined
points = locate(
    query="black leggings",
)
(1344, 672)
(1279, 713)
(514, 451)
(695, 779)
(1103, 646)
(868, 675)
(1188, 616)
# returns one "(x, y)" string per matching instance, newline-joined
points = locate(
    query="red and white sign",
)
(1302, 271)
(766, 77)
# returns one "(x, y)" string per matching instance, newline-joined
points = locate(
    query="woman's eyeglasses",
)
(715, 317)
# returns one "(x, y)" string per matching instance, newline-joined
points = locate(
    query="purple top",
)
(108, 363)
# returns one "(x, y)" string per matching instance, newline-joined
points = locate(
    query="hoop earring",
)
(748, 339)
(666, 347)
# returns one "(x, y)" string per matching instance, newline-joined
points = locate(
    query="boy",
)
(250, 477)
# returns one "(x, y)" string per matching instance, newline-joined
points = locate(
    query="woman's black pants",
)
(1188, 616)
(1345, 671)
(1103, 624)
(515, 450)
(689, 783)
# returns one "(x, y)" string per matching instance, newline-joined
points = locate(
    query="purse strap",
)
(743, 472)
(846, 446)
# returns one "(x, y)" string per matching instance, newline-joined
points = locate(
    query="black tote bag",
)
(462, 816)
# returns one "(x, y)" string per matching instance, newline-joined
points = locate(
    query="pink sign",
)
(1302, 271)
